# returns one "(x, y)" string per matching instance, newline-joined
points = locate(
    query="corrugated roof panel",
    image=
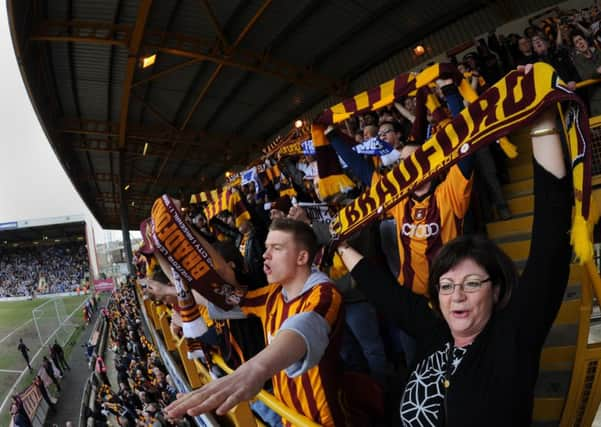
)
(65, 95)
(306, 42)
(225, 10)
(58, 54)
(91, 62)
(58, 9)
(60, 62)
(275, 18)
(222, 90)
(177, 80)
(128, 11)
(240, 17)
(92, 97)
(165, 101)
(106, 187)
(356, 52)
(250, 97)
(192, 20)
(186, 94)
(94, 10)
(203, 110)
(119, 66)
(116, 90)
(257, 127)
(160, 12)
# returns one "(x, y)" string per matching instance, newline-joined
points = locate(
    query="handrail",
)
(583, 397)
(271, 401)
(157, 321)
(585, 83)
(178, 378)
(594, 277)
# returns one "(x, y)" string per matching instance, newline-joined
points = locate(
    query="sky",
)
(33, 183)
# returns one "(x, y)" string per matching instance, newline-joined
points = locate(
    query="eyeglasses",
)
(384, 133)
(469, 285)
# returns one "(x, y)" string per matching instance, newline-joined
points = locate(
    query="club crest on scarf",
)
(513, 102)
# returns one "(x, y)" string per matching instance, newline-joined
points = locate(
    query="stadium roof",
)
(42, 234)
(228, 76)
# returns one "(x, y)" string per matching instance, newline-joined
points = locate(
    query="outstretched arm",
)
(542, 285)
(245, 382)
(362, 167)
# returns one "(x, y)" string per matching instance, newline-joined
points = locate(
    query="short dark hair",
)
(484, 252)
(302, 233)
(396, 126)
(577, 33)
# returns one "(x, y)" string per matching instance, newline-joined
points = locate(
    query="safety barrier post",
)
(166, 330)
(189, 367)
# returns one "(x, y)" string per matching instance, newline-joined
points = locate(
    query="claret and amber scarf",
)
(175, 241)
(512, 103)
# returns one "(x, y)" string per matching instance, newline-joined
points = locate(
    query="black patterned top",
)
(425, 390)
(492, 383)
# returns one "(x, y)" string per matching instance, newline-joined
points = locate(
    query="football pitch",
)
(16, 321)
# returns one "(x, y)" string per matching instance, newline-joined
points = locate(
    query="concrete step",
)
(511, 227)
(552, 384)
(558, 357)
(547, 409)
(520, 172)
(518, 188)
(517, 250)
(521, 205)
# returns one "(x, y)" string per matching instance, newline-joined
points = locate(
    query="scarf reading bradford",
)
(176, 242)
(510, 104)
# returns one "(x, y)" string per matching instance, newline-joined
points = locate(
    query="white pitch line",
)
(6, 337)
(12, 389)
(11, 371)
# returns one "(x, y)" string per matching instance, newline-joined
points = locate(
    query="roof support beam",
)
(103, 33)
(215, 22)
(229, 51)
(262, 64)
(132, 60)
(166, 72)
(195, 48)
(100, 128)
(138, 180)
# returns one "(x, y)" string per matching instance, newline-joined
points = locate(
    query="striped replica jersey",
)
(423, 226)
(314, 393)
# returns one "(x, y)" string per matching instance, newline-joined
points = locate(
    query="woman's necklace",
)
(448, 369)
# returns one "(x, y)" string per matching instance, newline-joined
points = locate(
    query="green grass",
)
(15, 313)
(18, 314)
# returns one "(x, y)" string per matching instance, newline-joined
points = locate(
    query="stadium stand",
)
(225, 216)
(315, 176)
(42, 269)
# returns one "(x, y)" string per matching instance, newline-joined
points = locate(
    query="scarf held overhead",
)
(185, 254)
(512, 103)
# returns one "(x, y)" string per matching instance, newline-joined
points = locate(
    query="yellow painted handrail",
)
(585, 83)
(271, 401)
(594, 277)
(194, 369)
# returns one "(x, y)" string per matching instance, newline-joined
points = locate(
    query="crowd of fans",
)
(42, 269)
(372, 343)
(142, 387)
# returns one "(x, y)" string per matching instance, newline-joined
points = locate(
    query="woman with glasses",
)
(481, 332)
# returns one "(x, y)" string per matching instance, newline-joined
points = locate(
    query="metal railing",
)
(197, 374)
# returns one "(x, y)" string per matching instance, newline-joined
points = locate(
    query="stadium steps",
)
(513, 236)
